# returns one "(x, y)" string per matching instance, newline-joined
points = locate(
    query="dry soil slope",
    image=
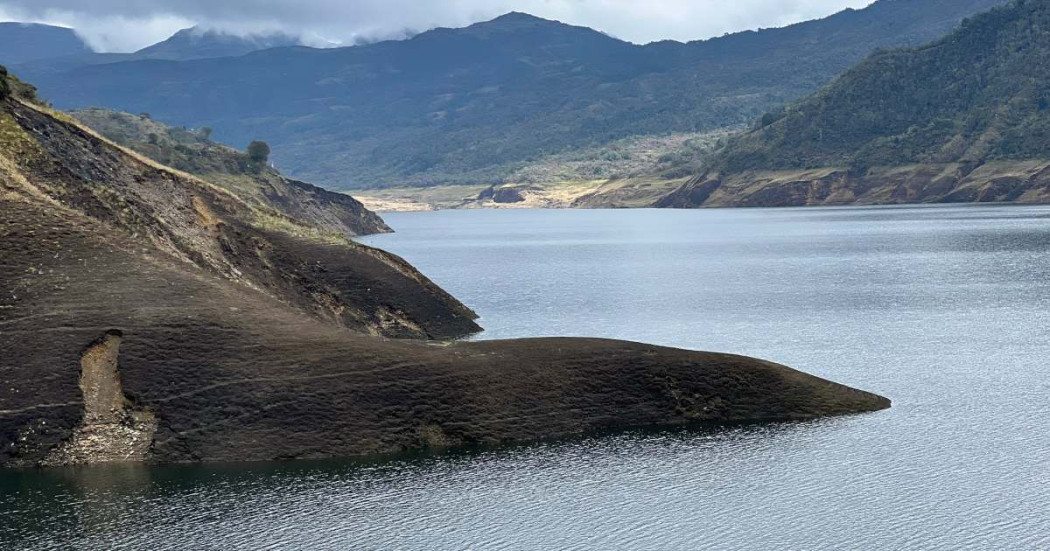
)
(149, 316)
(257, 183)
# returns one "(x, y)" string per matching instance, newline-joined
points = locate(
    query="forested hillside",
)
(474, 105)
(977, 99)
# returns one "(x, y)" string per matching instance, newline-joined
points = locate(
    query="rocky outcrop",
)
(486, 194)
(501, 194)
(329, 211)
(112, 428)
(149, 316)
(998, 182)
(508, 195)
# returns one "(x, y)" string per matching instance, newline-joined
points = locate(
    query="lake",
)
(944, 309)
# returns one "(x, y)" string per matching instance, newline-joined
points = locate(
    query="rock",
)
(507, 195)
(487, 193)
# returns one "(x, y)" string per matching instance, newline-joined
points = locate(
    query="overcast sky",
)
(127, 25)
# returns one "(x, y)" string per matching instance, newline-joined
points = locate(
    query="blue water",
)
(944, 309)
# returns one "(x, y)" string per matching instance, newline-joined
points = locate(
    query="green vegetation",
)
(484, 104)
(258, 152)
(666, 157)
(10, 86)
(251, 179)
(631, 172)
(980, 94)
(5, 87)
(187, 150)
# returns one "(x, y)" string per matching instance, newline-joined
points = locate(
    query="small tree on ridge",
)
(259, 152)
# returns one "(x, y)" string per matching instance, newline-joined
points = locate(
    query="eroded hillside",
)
(148, 315)
(255, 181)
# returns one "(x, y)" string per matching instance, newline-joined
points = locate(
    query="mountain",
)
(150, 315)
(255, 182)
(965, 118)
(51, 52)
(473, 105)
(197, 43)
(22, 42)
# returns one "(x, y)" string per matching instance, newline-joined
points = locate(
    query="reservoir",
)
(944, 309)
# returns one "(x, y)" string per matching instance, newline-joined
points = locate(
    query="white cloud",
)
(124, 25)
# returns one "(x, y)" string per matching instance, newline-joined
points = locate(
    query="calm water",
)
(946, 310)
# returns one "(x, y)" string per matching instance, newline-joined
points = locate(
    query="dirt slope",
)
(149, 316)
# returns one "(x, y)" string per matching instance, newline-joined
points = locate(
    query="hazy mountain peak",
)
(518, 21)
(21, 42)
(200, 43)
(517, 17)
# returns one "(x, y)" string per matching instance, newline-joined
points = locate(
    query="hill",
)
(965, 118)
(23, 42)
(474, 105)
(256, 182)
(149, 315)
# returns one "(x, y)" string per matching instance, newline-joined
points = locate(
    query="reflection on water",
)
(406, 499)
(943, 309)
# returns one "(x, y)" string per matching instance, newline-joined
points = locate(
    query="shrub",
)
(259, 152)
(5, 87)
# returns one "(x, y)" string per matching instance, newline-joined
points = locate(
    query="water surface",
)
(943, 309)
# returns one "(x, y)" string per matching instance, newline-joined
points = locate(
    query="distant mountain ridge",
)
(198, 43)
(965, 118)
(472, 105)
(48, 50)
(23, 42)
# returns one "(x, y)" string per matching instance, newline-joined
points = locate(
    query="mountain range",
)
(965, 118)
(473, 105)
(51, 50)
(198, 43)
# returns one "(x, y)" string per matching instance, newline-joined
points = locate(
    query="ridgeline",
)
(479, 105)
(963, 119)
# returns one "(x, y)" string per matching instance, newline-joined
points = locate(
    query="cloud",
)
(125, 25)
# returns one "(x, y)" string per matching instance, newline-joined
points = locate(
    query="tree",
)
(205, 132)
(5, 87)
(259, 152)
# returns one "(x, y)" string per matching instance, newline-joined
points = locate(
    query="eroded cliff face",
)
(147, 316)
(113, 429)
(997, 182)
(248, 243)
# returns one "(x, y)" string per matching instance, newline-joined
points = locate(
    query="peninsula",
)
(150, 315)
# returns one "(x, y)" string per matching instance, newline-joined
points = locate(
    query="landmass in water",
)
(151, 315)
